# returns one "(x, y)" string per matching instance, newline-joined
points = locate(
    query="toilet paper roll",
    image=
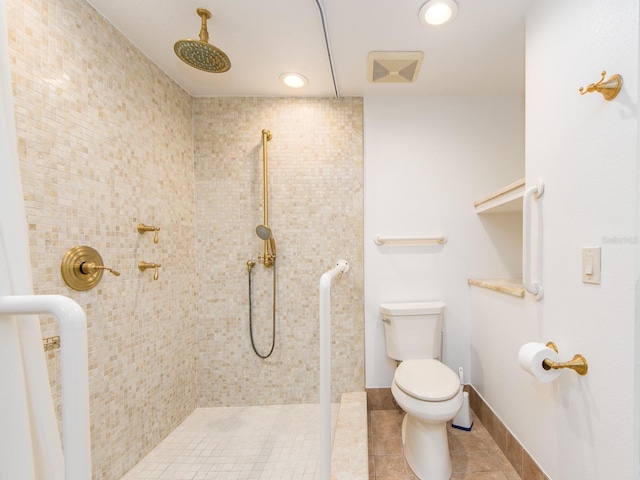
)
(532, 355)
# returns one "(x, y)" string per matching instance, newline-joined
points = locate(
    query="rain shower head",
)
(201, 54)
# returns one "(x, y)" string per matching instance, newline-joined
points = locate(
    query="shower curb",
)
(350, 451)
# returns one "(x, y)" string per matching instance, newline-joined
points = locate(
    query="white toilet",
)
(427, 390)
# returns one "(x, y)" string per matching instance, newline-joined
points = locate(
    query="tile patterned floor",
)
(474, 454)
(276, 442)
(281, 442)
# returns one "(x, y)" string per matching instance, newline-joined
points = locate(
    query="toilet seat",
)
(427, 379)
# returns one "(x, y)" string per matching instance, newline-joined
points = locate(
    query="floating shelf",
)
(505, 200)
(510, 286)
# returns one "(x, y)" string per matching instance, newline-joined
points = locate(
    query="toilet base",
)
(426, 449)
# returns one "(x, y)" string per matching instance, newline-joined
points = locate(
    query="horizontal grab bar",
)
(410, 241)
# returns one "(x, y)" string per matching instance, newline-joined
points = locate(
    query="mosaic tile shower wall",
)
(106, 142)
(315, 163)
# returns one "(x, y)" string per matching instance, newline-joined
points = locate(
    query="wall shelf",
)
(510, 286)
(505, 200)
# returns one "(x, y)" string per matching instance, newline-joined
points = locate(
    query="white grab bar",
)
(342, 267)
(534, 288)
(74, 368)
(410, 241)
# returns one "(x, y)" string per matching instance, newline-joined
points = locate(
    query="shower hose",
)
(273, 317)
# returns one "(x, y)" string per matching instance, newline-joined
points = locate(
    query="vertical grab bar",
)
(342, 267)
(74, 371)
(534, 288)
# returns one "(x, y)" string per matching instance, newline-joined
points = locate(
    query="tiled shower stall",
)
(107, 141)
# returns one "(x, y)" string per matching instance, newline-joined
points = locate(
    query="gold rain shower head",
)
(201, 54)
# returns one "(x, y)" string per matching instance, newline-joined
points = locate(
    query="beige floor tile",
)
(474, 454)
(386, 465)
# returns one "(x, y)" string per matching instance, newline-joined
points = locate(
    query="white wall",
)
(426, 161)
(586, 151)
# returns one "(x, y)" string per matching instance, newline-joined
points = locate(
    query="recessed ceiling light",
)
(438, 12)
(294, 80)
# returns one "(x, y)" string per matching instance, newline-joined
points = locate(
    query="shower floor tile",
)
(275, 442)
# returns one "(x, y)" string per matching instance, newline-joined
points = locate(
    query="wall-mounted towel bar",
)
(410, 241)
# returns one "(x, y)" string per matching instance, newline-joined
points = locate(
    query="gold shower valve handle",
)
(142, 266)
(142, 228)
(82, 268)
(91, 267)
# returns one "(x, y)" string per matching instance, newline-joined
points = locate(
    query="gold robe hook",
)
(608, 89)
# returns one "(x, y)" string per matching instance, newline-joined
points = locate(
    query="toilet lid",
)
(427, 379)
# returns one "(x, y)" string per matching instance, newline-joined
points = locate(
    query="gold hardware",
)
(201, 54)
(148, 228)
(90, 267)
(269, 257)
(250, 265)
(608, 89)
(51, 343)
(204, 15)
(142, 266)
(82, 268)
(578, 363)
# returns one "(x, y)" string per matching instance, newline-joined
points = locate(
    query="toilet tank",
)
(412, 330)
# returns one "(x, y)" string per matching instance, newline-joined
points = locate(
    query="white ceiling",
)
(480, 53)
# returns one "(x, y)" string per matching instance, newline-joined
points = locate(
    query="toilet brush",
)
(463, 419)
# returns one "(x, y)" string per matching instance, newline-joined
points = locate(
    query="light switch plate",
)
(591, 265)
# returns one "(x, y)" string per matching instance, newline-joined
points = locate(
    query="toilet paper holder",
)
(578, 363)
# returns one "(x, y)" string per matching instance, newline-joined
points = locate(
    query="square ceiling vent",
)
(394, 67)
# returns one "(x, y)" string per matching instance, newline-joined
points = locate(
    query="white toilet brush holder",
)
(463, 419)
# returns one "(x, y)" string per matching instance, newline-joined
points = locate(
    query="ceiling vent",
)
(394, 67)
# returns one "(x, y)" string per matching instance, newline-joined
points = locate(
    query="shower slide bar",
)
(410, 241)
(74, 367)
(341, 267)
(533, 287)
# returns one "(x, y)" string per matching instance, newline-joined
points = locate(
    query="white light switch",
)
(591, 265)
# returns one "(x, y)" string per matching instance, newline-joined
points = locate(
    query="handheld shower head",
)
(263, 232)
